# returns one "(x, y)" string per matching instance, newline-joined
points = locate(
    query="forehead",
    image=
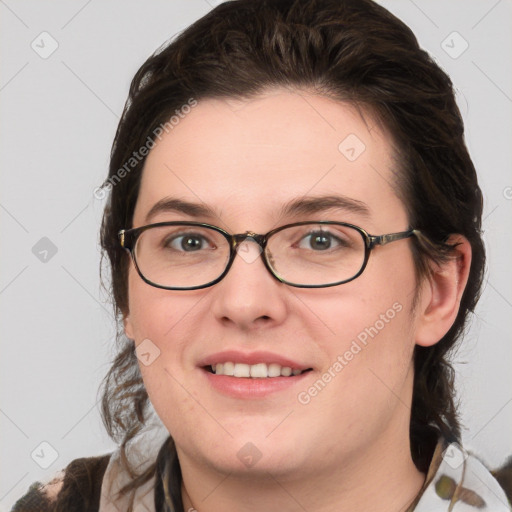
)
(248, 158)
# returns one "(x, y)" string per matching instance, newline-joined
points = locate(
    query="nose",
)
(249, 297)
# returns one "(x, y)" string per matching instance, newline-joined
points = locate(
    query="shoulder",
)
(75, 488)
(504, 477)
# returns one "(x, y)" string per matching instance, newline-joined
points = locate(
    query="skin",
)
(348, 448)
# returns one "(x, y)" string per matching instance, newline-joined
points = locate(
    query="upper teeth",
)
(260, 370)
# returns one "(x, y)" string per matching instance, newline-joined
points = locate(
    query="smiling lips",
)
(256, 365)
(259, 370)
(246, 375)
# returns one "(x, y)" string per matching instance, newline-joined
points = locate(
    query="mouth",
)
(254, 371)
(253, 375)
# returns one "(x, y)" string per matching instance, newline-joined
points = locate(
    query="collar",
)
(457, 481)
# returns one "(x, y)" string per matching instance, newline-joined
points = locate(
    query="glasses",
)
(193, 255)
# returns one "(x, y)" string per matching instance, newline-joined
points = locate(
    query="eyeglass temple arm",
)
(125, 237)
(121, 236)
(391, 237)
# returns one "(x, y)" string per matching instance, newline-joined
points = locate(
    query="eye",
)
(320, 241)
(188, 242)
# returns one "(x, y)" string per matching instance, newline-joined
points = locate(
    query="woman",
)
(293, 229)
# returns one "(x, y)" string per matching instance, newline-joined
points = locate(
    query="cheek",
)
(366, 364)
(371, 330)
(156, 322)
(374, 330)
(161, 323)
(157, 314)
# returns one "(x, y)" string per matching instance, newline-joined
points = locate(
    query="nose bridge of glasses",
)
(248, 236)
(249, 252)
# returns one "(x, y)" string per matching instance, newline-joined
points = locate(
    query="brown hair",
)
(351, 50)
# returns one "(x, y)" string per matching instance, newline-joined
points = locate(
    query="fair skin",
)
(348, 447)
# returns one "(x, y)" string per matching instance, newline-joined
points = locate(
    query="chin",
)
(249, 451)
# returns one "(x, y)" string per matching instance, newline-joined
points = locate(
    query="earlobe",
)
(442, 293)
(128, 328)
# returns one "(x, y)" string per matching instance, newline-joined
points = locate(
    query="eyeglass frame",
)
(128, 239)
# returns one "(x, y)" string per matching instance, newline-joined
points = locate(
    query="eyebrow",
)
(310, 205)
(300, 206)
(169, 204)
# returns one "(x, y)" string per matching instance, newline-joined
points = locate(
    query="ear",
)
(128, 327)
(441, 294)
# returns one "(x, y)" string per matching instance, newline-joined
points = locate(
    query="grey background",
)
(59, 116)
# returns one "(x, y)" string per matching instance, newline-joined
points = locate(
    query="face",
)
(353, 343)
